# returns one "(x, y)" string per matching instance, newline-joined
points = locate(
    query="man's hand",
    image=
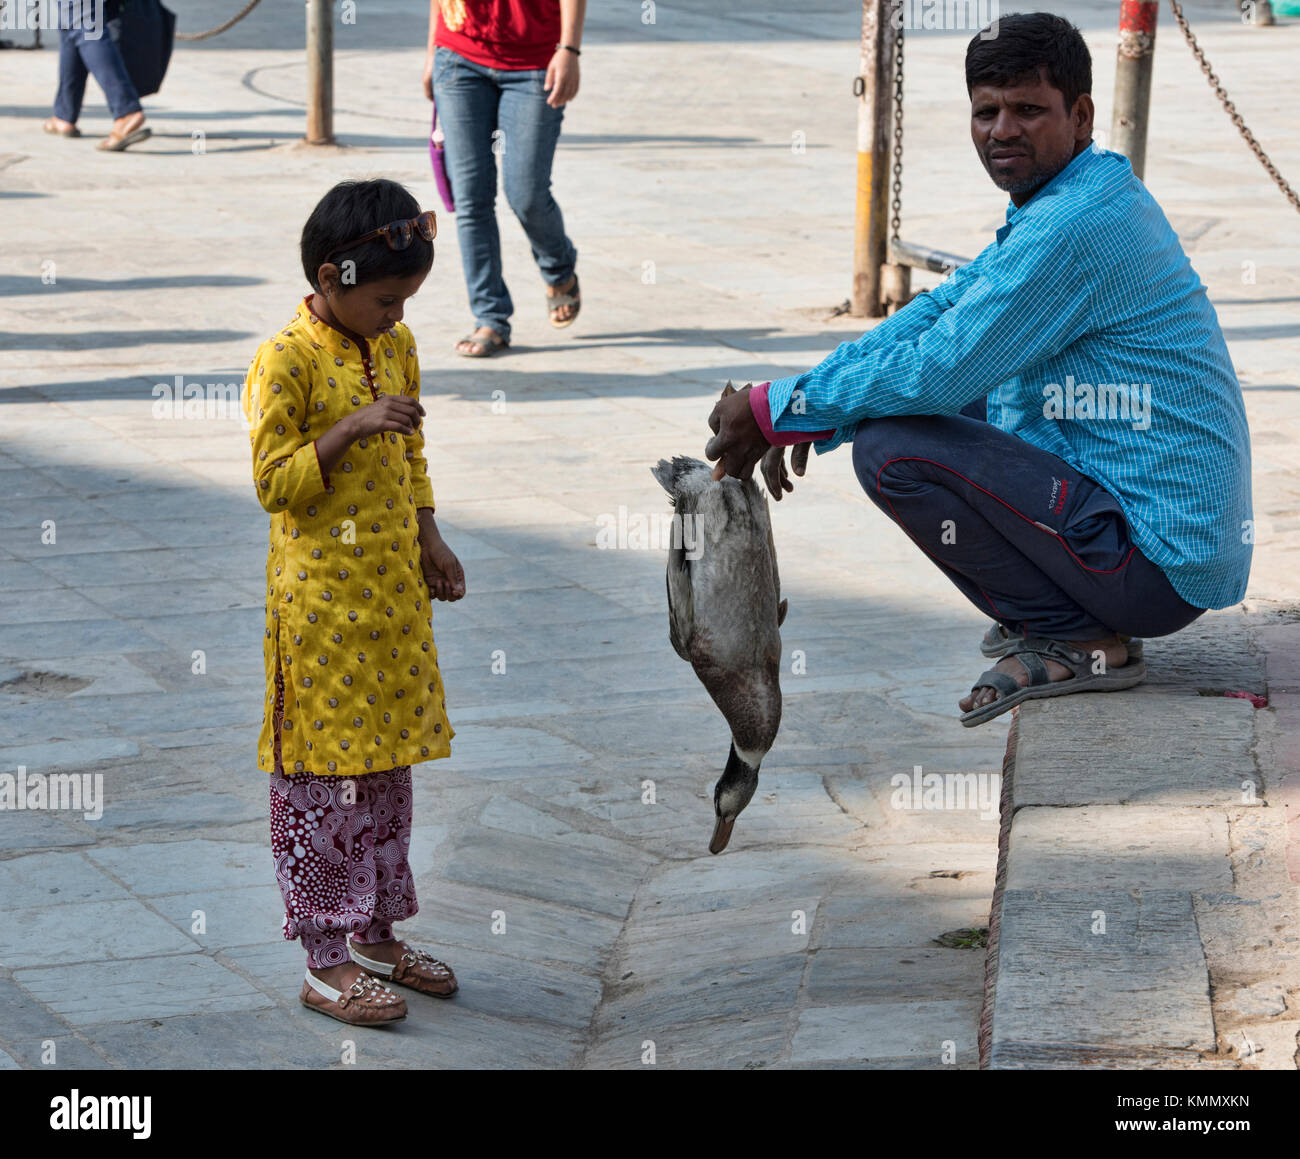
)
(774, 473)
(738, 444)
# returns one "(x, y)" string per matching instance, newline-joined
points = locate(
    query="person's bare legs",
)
(1114, 649)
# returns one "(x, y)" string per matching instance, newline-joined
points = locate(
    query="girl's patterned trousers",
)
(340, 846)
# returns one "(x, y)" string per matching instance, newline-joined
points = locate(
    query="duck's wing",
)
(681, 602)
(682, 479)
(782, 606)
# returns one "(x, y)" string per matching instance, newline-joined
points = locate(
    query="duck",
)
(724, 616)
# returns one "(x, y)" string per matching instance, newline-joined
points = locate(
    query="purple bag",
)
(439, 161)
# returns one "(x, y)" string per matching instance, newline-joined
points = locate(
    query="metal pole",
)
(1137, 42)
(873, 90)
(320, 72)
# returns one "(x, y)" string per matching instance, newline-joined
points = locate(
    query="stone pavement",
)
(706, 174)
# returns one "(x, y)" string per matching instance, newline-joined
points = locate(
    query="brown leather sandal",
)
(418, 970)
(367, 1002)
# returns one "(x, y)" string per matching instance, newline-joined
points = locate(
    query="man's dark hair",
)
(354, 208)
(1024, 43)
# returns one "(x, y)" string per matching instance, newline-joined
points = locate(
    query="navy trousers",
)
(1026, 538)
(88, 47)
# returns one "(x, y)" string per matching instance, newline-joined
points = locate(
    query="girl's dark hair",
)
(354, 208)
(1021, 45)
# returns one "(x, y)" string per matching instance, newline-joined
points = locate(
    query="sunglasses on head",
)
(398, 234)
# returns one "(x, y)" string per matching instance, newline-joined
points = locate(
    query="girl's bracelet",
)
(570, 48)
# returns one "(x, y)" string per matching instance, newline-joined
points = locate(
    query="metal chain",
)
(220, 27)
(897, 206)
(1231, 109)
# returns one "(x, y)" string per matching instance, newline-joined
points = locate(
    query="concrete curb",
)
(1143, 876)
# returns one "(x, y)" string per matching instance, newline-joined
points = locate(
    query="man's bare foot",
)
(566, 312)
(1114, 649)
(479, 343)
(61, 127)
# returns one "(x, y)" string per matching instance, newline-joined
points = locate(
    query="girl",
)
(353, 692)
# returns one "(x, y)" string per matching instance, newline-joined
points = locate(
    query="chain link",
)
(897, 206)
(1231, 109)
(220, 27)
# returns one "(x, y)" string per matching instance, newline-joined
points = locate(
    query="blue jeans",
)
(486, 113)
(96, 55)
(1026, 538)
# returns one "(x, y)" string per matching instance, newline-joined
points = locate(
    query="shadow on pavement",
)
(13, 284)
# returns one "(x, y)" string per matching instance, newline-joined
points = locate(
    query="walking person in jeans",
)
(89, 31)
(1107, 497)
(501, 72)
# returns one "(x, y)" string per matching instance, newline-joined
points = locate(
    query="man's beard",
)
(1039, 175)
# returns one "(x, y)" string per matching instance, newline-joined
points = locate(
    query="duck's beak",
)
(721, 834)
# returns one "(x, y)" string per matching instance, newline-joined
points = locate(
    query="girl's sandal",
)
(572, 298)
(367, 1002)
(488, 346)
(418, 970)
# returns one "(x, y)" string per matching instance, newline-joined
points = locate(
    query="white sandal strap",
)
(362, 990)
(322, 989)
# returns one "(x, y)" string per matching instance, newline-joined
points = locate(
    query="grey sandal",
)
(1029, 653)
(572, 298)
(490, 345)
(997, 640)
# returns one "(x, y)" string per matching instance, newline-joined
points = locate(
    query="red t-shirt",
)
(508, 34)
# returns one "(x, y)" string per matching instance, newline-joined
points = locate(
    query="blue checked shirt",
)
(1094, 339)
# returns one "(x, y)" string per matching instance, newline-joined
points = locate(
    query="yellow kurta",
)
(348, 616)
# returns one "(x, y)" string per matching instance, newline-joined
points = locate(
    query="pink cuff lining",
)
(763, 416)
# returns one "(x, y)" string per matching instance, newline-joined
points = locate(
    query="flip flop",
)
(1029, 653)
(52, 128)
(572, 298)
(997, 640)
(115, 144)
(490, 345)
